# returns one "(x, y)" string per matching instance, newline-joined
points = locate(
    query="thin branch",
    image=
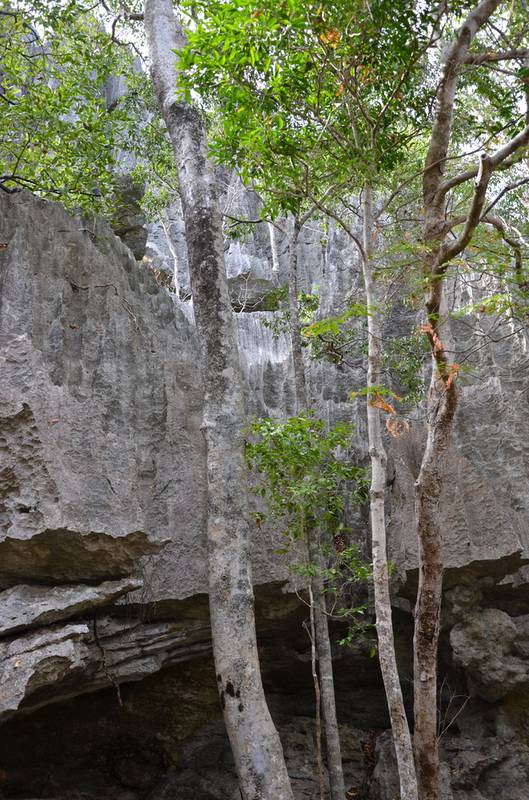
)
(493, 58)
(502, 159)
(442, 128)
(509, 188)
(450, 251)
(459, 156)
(336, 217)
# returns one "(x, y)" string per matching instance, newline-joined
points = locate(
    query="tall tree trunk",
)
(442, 396)
(300, 382)
(384, 623)
(328, 699)
(317, 694)
(321, 620)
(254, 740)
(441, 407)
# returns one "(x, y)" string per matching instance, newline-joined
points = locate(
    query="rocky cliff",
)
(107, 687)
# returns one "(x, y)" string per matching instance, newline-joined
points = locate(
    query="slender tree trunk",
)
(384, 624)
(321, 620)
(441, 407)
(300, 382)
(317, 695)
(328, 699)
(442, 397)
(254, 740)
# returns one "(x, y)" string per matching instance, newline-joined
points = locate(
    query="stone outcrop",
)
(61, 661)
(31, 606)
(102, 473)
(102, 553)
(100, 412)
(493, 649)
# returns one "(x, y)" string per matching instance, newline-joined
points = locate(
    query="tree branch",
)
(440, 138)
(509, 188)
(449, 251)
(336, 217)
(503, 158)
(493, 58)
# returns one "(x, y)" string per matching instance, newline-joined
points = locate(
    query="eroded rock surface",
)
(31, 606)
(62, 661)
(100, 411)
(102, 485)
(493, 649)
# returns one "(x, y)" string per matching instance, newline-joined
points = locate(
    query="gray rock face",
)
(100, 405)
(102, 462)
(473, 512)
(100, 412)
(128, 220)
(38, 660)
(102, 457)
(30, 606)
(493, 649)
(58, 662)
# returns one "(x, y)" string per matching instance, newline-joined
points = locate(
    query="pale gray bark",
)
(384, 623)
(254, 740)
(317, 696)
(321, 620)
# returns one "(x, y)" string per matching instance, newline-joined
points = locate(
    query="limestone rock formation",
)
(30, 606)
(56, 662)
(493, 649)
(102, 558)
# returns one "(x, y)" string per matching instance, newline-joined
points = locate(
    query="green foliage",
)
(339, 339)
(377, 390)
(333, 338)
(403, 360)
(57, 137)
(302, 477)
(155, 166)
(342, 579)
(277, 300)
(507, 305)
(305, 475)
(298, 87)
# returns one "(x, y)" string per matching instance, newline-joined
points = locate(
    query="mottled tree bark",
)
(384, 623)
(442, 397)
(300, 382)
(442, 403)
(254, 740)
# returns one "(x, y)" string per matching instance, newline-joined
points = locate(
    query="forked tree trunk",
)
(384, 623)
(442, 397)
(254, 740)
(321, 620)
